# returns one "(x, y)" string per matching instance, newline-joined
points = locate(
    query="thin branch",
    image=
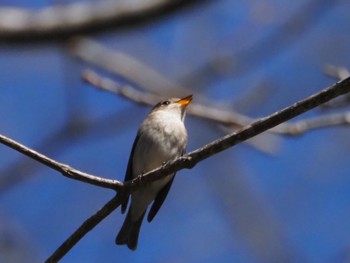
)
(87, 226)
(303, 126)
(150, 80)
(130, 93)
(123, 65)
(189, 160)
(61, 22)
(227, 118)
(60, 167)
(235, 120)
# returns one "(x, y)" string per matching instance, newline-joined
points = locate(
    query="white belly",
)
(150, 154)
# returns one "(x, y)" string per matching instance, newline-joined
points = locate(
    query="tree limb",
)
(191, 159)
(64, 169)
(187, 161)
(153, 82)
(230, 119)
(123, 65)
(61, 22)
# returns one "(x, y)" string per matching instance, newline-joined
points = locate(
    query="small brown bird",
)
(161, 137)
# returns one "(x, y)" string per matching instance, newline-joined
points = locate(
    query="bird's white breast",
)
(162, 137)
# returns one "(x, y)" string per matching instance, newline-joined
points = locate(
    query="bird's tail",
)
(129, 233)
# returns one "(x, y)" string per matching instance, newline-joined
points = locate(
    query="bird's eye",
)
(166, 102)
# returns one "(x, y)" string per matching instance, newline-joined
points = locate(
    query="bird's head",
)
(173, 105)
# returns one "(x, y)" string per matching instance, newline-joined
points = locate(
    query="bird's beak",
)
(185, 101)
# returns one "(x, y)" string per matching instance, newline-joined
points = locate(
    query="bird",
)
(161, 137)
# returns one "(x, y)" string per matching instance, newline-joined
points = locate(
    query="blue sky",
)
(243, 205)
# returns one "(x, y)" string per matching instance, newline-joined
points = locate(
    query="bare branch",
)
(60, 22)
(130, 93)
(227, 118)
(124, 66)
(191, 159)
(87, 226)
(60, 167)
(152, 81)
(124, 90)
(187, 161)
(302, 126)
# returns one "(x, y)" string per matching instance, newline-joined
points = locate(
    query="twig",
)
(60, 22)
(87, 226)
(130, 93)
(302, 126)
(123, 65)
(232, 118)
(152, 81)
(189, 160)
(228, 118)
(60, 167)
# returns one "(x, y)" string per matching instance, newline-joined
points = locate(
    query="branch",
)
(153, 82)
(130, 93)
(60, 167)
(61, 22)
(191, 159)
(227, 118)
(187, 161)
(123, 65)
(87, 226)
(303, 126)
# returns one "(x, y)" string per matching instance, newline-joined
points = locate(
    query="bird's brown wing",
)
(129, 172)
(159, 200)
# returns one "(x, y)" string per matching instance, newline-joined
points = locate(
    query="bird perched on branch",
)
(161, 137)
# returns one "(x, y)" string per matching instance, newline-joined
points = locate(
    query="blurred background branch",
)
(62, 21)
(229, 119)
(193, 158)
(187, 161)
(246, 57)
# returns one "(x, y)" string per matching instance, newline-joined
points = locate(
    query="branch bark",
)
(61, 22)
(191, 159)
(230, 119)
(64, 169)
(123, 65)
(154, 83)
(187, 161)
